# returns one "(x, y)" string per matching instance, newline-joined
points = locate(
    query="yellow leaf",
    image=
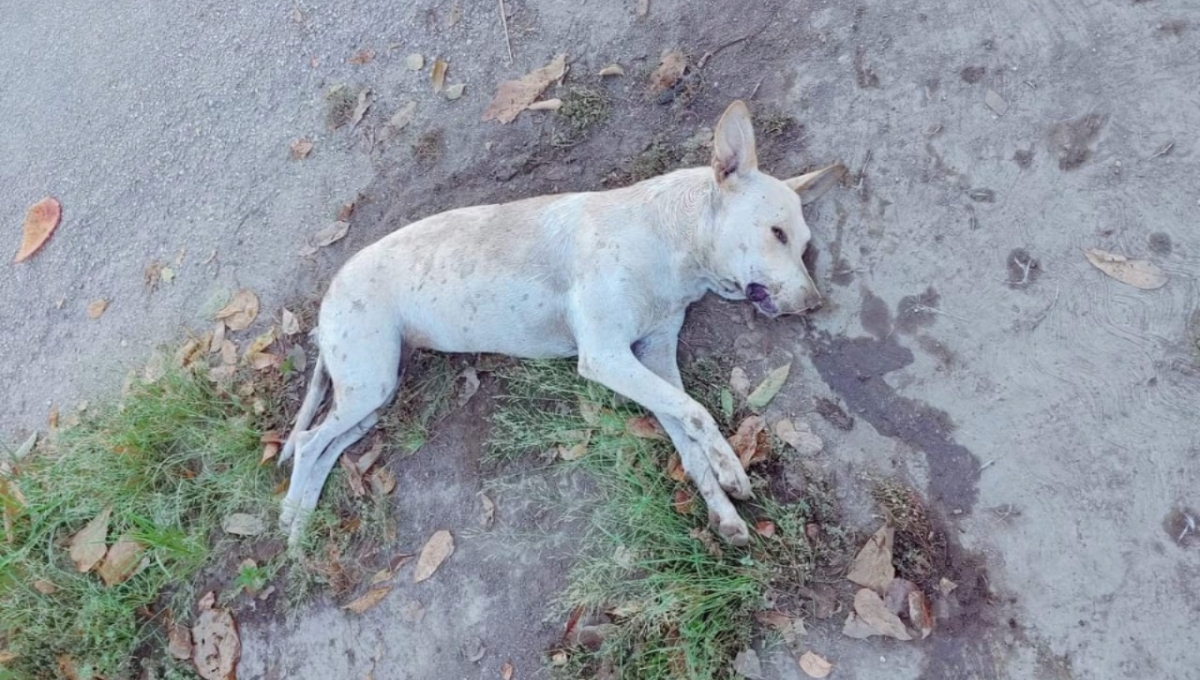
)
(95, 308)
(814, 666)
(368, 599)
(437, 75)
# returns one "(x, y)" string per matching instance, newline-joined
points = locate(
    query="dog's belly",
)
(500, 317)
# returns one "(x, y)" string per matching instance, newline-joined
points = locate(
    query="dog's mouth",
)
(757, 294)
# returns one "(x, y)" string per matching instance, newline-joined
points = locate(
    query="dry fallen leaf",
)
(765, 528)
(217, 341)
(360, 109)
(179, 641)
(96, 308)
(590, 411)
(455, 91)
(402, 117)
(121, 562)
(7, 657)
(89, 545)
(919, 614)
(945, 586)
(469, 379)
(801, 439)
(874, 614)
(45, 587)
(506, 671)
(289, 324)
(684, 501)
(382, 481)
(364, 56)
(489, 511)
(325, 237)
(215, 645)
(1142, 274)
(768, 388)
(995, 102)
(645, 427)
(670, 70)
(611, 70)
(353, 477)
(40, 221)
(744, 442)
(747, 665)
(546, 105)
(514, 96)
(300, 149)
(872, 567)
(414, 62)
(739, 382)
(437, 75)
(814, 666)
(433, 553)
(368, 599)
(675, 468)
(243, 524)
(240, 312)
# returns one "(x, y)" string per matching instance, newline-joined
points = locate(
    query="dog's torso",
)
(514, 278)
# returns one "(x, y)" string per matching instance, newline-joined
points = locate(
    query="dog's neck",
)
(687, 204)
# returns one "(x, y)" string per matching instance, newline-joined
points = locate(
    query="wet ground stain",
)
(854, 368)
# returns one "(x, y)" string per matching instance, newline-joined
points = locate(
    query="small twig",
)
(862, 173)
(507, 41)
(1042, 317)
(1165, 150)
(934, 310)
(711, 53)
(755, 90)
(988, 464)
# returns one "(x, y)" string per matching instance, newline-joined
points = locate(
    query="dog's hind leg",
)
(361, 354)
(320, 473)
(317, 387)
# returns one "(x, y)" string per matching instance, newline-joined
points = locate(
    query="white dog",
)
(605, 276)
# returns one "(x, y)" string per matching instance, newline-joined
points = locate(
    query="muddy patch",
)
(914, 312)
(972, 74)
(1160, 243)
(1183, 527)
(875, 316)
(1023, 158)
(854, 368)
(1072, 140)
(1023, 269)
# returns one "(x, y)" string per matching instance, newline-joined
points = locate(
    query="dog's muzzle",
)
(757, 293)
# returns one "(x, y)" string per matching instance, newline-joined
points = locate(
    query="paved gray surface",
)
(160, 130)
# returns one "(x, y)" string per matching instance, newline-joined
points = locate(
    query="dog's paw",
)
(735, 531)
(732, 477)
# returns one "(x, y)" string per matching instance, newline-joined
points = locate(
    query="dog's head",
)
(759, 234)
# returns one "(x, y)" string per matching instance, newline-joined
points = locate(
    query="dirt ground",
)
(1047, 411)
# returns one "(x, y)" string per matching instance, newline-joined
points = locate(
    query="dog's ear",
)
(733, 143)
(812, 185)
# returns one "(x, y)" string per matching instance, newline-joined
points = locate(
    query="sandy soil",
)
(1049, 417)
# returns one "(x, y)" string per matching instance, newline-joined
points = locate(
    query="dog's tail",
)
(317, 387)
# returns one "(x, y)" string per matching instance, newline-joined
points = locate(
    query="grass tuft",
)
(171, 460)
(676, 602)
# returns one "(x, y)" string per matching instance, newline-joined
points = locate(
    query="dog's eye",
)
(780, 235)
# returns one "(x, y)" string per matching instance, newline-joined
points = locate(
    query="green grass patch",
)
(680, 602)
(170, 460)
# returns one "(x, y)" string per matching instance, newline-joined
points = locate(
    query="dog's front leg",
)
(657, 352)
(691, 428)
